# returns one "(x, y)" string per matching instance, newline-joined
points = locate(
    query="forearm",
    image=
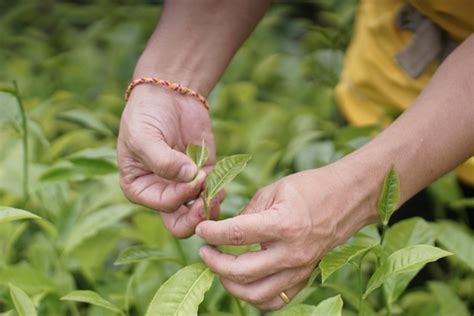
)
(432, 137)
(195, 40)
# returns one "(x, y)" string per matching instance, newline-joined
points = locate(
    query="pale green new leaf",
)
(96, 222)
(182, 293)
(404, 260)
(199, 154)
(450, 304)
(455, 238)
(224, 172)
(390, 196)
(329, 307)
(140, 253)
(23, 303)
(297, 310)
(9, 214)
(343, 254)
(93, 298)
(413, 231)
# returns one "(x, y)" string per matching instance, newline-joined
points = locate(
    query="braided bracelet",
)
(167, 84)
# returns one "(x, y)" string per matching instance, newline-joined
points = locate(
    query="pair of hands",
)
(296, 220)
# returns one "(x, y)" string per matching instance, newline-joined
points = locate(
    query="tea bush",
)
(70, 244)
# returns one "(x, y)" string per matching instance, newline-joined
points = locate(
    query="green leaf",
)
(413, 231)
(139, 253)
(96, 222)
(199, 154)
(404, 260)
(93, 298)
(23, 304)
(351, 296)
(343, 254)
(9, 214)
(454, 237)
(450, 304)
(182, 293)
(224, 172)
(86, 119)
(10, 109)
(462, 203)
(297, 310)
(329, 307)
(390, 196)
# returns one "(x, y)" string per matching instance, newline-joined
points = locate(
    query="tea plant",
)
(71, 244)
(396, 263)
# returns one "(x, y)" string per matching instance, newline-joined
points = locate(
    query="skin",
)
(300, 217)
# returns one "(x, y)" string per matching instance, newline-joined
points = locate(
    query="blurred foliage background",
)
(72, 61)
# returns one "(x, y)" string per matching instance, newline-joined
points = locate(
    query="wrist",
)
(173, 71)
(360, 188)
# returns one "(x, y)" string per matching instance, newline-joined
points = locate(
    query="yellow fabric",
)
(373, 88)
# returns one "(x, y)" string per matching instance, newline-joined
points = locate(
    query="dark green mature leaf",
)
(182, 293)
(455, 238)
(96, 222)
(450, 304)
(23, 303)
(343, 254)
(390, 196)
(404, 260)
(224, 172)
(140, 253)
(9, 214)
(198, 153)
(413, 231)
(93, 298)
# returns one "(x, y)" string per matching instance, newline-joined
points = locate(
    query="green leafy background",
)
(72, 61)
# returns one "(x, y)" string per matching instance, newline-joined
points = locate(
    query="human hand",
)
(155, 129)
(296, 221)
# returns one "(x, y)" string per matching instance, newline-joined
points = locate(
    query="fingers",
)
(153, 192)
(247, 267)
(166, 162)
(265, 290)
(241, 230)
(182, 223)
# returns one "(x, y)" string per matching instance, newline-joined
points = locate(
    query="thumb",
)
(167, 162)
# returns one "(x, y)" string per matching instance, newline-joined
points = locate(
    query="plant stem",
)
(206, 206)
(180, 250)
(24, 127)
(382, 238)
(241, 309)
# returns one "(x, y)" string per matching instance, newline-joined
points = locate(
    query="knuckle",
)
(240, 277)
(288, 230)
(235, 234)
(298, 258)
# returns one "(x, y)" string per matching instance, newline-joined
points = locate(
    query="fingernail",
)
(202, 252)
(198, 231)
(187, 173)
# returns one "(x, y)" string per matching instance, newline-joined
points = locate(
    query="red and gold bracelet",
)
(167, 84)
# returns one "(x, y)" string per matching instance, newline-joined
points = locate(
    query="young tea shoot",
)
(223, 173)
